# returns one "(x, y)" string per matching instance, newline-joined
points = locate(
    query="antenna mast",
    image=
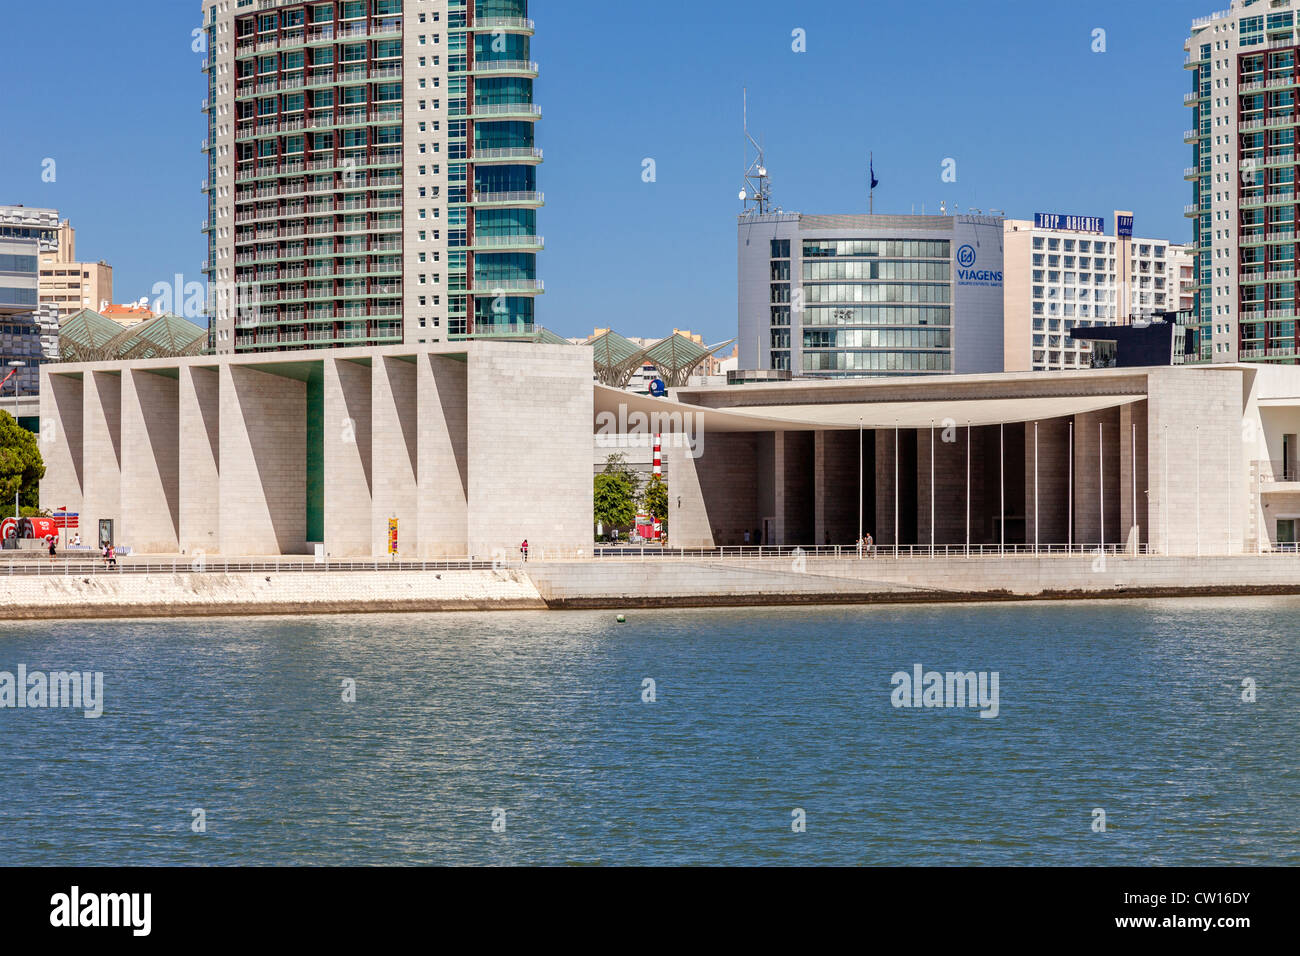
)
(757, 191)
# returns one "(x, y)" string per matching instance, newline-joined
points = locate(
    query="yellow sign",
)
(392, 535)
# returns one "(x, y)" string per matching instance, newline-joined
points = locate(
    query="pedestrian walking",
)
(871, 545)
(53, 552)
(523, 548)
(112, 556)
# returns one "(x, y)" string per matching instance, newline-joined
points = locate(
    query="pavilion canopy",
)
(843, 416)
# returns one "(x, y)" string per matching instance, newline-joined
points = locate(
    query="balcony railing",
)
(502, 23)
(509, 285)
(519, 152)
(506, 109)
(504, 66)
(509, 242)
(485, 198)
(1278, 471)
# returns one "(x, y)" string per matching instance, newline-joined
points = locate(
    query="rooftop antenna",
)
(757, 191)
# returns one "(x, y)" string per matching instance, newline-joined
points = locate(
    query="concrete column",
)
(1053, 481)
(102, 453)
(349, 523)
(395, 454)
(712, 490)
(820, 491)
(1131, 416)
(885, 487)
(530, 412)
(442, 448)
(1088, 479)
(263, 479)
(62, 409)
(795, 489)
(1182, 399)
(150, 462)
(199, 459)
(950, 485)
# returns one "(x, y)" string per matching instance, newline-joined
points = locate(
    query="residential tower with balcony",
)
(371, 172)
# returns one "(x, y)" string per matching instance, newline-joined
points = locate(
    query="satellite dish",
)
(762, 170)
(743, 196)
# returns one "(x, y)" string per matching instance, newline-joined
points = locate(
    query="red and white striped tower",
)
(659, 465)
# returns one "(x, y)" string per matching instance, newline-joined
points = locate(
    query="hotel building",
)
(1065, 272)
(1243, 87)
(372, 172)
(874, 295)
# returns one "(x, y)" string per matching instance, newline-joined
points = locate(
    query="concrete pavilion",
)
(475, 446)
(1180, 460)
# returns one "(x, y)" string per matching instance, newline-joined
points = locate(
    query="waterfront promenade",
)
(35, 588)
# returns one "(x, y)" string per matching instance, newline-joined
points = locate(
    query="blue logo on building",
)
(966, 275)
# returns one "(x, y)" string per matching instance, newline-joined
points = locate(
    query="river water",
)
(772, 738)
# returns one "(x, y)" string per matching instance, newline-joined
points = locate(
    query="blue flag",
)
(874, 181)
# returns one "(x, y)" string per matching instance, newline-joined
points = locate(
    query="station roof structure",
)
(88, 336)
(85, 336)
(617, 358)
(677, 357)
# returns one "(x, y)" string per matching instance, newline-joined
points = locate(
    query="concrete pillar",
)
(1088, 478)
(530, 411)
(442, 448)
(62, 409)
(199, 459)
(349, 524)
(1053, 481)
(1202, 406)
(820, 490)
(150, 462)
(395, 454)
(263, 479)
(950, 483)
(886, 500)
(795, 489)
(1133, 417)
(102, 453)
(712, 490)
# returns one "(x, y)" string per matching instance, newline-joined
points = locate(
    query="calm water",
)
(1134, 708)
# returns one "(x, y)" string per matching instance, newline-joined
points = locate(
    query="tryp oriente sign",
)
(1058, 221)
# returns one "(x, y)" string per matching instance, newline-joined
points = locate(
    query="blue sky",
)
(1011, 90)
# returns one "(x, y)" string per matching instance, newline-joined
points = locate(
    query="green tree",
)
(21, 466)
(614, 499)
(617, 465)
(655, 499)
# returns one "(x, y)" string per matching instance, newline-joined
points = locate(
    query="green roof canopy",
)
(85, 337)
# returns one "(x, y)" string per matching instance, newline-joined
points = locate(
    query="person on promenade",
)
(76, 541)
(104, 554)
(746, 537)
(523, 548)
(53, 551)
(871, 545)
(112, 556)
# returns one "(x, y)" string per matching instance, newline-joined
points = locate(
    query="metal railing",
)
(31, 563)
(1277, 471)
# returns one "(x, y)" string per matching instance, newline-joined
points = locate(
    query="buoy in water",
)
(622, 619)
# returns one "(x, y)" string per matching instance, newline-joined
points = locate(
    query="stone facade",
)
(471, 447)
